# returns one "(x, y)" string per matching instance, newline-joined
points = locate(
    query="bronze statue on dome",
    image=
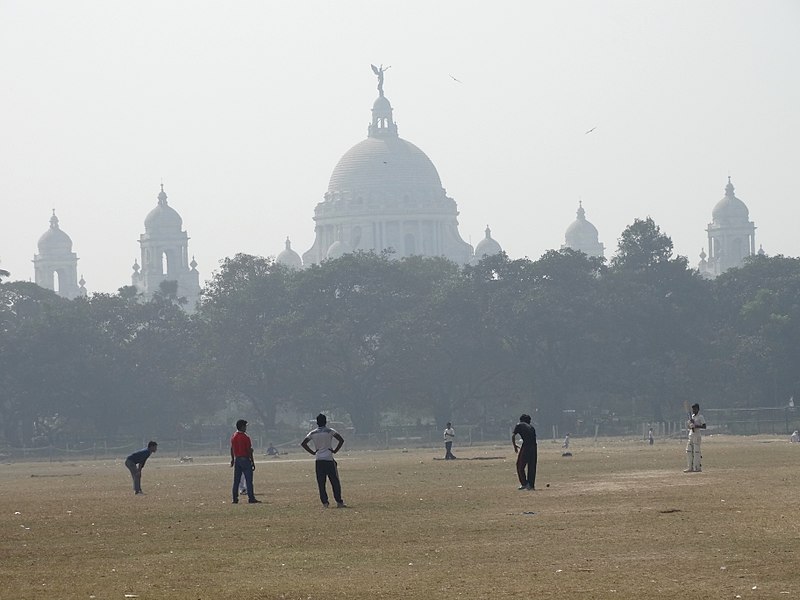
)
(379, 71)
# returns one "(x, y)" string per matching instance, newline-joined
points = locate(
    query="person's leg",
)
(132, 468)
(321, 476)
(532, 460)
(523, 480)
(237, 477)
(247, 471)
(447, 450)
(697, 456)
(689, 455)
(333, 475)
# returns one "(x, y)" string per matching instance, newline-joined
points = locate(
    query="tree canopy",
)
(371, 338)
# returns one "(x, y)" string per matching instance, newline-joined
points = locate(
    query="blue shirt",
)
(140, 457)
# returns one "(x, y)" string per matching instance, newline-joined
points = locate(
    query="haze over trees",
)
(370, 337)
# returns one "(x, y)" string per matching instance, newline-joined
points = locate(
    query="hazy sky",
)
(244, 108)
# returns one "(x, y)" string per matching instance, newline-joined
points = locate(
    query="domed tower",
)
(582, 235)
(165, 255)
(731, 233)
(56, 265)
(385, 193)
(289, 257)
(488, 246)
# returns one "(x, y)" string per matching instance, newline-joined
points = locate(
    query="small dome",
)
(580, 228)
(730, 208)
(163, 217)
(487, 246)
(289, 257)
(382, 105)
(54, 241)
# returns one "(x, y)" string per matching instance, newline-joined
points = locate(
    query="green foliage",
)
(368, 337)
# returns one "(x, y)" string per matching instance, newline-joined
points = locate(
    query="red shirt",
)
(241, 445)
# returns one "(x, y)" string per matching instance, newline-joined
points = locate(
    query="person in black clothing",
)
(135, 463)
(527, 455)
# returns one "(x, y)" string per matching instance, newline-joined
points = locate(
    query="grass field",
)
(618, 520)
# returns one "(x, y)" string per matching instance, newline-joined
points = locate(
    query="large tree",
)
(245, 301)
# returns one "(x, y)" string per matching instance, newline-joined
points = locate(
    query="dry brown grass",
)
(619, 520)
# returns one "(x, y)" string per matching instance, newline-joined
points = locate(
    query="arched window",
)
(164, 264)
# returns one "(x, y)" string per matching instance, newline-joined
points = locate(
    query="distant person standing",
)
(565, 445)
(135, 463)
(795, 437)
(242, 462)
(696, 424)
(449, 436)
(650, 438)
(325, 465)
(527, 455)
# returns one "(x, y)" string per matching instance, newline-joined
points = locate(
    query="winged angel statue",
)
(379, 71)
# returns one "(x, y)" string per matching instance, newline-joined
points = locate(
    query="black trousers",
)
(326, 469)
(526, 460)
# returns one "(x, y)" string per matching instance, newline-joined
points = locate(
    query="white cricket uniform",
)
(693, 446)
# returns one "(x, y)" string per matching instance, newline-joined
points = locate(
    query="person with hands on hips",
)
(326, 467)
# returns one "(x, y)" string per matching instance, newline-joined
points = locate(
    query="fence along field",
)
(618, 520)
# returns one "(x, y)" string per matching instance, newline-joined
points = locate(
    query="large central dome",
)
(383, 163)
(385, 194)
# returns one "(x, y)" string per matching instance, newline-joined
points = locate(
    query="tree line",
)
(370, 336)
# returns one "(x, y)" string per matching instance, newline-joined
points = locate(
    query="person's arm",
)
(232, 457)
(340, 439)
(514, 442)
(304, 444)
(252, 459)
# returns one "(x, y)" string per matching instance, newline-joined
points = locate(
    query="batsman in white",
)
(696, 424)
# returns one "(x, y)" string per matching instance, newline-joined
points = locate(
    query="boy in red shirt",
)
(242, 462)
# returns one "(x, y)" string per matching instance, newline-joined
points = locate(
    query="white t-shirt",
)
(449, 434)
(323, 442)
(698, 422)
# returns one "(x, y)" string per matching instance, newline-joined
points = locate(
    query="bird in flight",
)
(456, 80)
(591, 130)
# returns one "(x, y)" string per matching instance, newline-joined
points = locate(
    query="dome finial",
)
(581, 213)
(729, 188)
(54, 220)
(379, 71)
(288, 243)
(162, 196)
